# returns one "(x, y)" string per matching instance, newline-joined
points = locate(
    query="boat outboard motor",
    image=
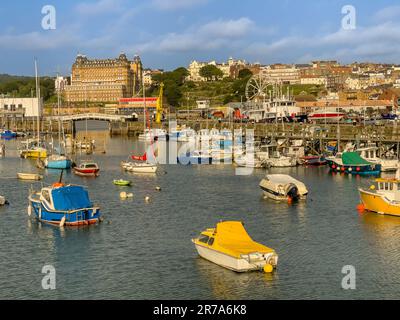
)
(293, 192)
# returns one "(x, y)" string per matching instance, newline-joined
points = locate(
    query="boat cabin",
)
(65, 198)
(389, 187)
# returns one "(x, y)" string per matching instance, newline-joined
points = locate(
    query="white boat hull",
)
(229, 262)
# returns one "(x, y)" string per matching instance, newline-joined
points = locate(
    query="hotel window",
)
(20, 106)
(6, 107)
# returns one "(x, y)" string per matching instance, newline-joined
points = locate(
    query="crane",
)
(159, 108)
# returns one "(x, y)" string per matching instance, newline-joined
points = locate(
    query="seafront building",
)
(21, 107)
(104, 80)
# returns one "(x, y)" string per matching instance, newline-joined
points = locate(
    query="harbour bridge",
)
(95, 116)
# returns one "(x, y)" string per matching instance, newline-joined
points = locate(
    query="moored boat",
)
(313, 160)
(139, 167)
(29, 176)
(87, 169)
(382, 198)
(61, 205)
(122, 182)
(8, 134)
(281, 187)
(56, 161)
(230, 246)
(352, 163)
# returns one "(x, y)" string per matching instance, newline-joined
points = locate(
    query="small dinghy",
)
(283, 187)
(121, 182)
(29, 176)
(87, 169)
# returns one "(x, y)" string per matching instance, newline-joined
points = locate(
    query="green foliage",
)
(244, 73)
(211, 72)
(25, 87)
(173, 81)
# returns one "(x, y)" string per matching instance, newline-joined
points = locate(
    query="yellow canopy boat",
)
(382, 198)
(230, 246)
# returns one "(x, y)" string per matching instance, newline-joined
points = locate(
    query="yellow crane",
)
(159, 108)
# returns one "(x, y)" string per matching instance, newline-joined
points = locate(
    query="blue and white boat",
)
(56, 161)
(63, 205)
(8, 134)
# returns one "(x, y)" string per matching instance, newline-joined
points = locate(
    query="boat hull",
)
(373, 169)
(59, 164)
(378, 203)
(35, 154)
(82, 217)
(229, 262)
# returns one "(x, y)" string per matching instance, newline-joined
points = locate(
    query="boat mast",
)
(38, 101)
(59, 119)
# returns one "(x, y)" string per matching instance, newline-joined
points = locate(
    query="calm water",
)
(143, 250)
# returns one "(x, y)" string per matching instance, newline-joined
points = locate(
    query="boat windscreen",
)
(70, 198)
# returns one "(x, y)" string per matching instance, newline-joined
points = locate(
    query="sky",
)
(171, 33)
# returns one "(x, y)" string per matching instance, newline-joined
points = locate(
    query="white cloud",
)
(99, 7)
(176, 4)
(213, 35)
(388, 13)
(378, 42)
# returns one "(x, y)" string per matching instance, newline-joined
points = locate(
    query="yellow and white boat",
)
(35, 153)
(230, 246)
(382, 198)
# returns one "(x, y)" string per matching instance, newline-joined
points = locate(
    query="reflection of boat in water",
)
(230, 246)
(382, 198)
(283, 187)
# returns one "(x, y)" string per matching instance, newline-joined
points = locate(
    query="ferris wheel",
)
(257, 88)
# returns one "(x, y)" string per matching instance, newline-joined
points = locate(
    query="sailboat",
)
(58, 160)
(33, 148)
(141, 164)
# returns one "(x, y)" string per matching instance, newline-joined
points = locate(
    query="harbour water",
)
(143, 250)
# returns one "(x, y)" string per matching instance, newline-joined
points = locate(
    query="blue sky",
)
(171, 33)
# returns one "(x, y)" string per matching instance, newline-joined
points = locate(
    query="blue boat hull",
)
(59, 164)
(80, 217)
(373, 169)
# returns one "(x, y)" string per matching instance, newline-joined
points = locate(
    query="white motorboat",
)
(230, 246)
(326, 115)
(371, 154)
(151, 135)
(246, 160)
(139, 167)
(283, 187)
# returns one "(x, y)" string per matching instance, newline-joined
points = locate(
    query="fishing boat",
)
(370, 153)
(313, 161)
(63, 205)
(383, 197)
(326, 115)
(195, 157)
(230, 246)
(270, 155)
(8, 134)
(87, 169)
(121, 182)
(281, 187)
(57, 161)
(29, 176)
(352, 163)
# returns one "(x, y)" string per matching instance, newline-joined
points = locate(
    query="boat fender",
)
(268, 268)
(29, 210)
(62, 222)
(372, 187)
(40, 213)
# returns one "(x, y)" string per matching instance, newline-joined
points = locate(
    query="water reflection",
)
(229, 285)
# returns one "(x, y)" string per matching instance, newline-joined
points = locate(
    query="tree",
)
(244, 73)
(211, 72)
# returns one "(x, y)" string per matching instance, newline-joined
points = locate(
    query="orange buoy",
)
(361, 208)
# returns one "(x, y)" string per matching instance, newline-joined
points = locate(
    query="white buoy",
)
(158, 188)
(123, 195)
(147, 199)
(129, 195)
